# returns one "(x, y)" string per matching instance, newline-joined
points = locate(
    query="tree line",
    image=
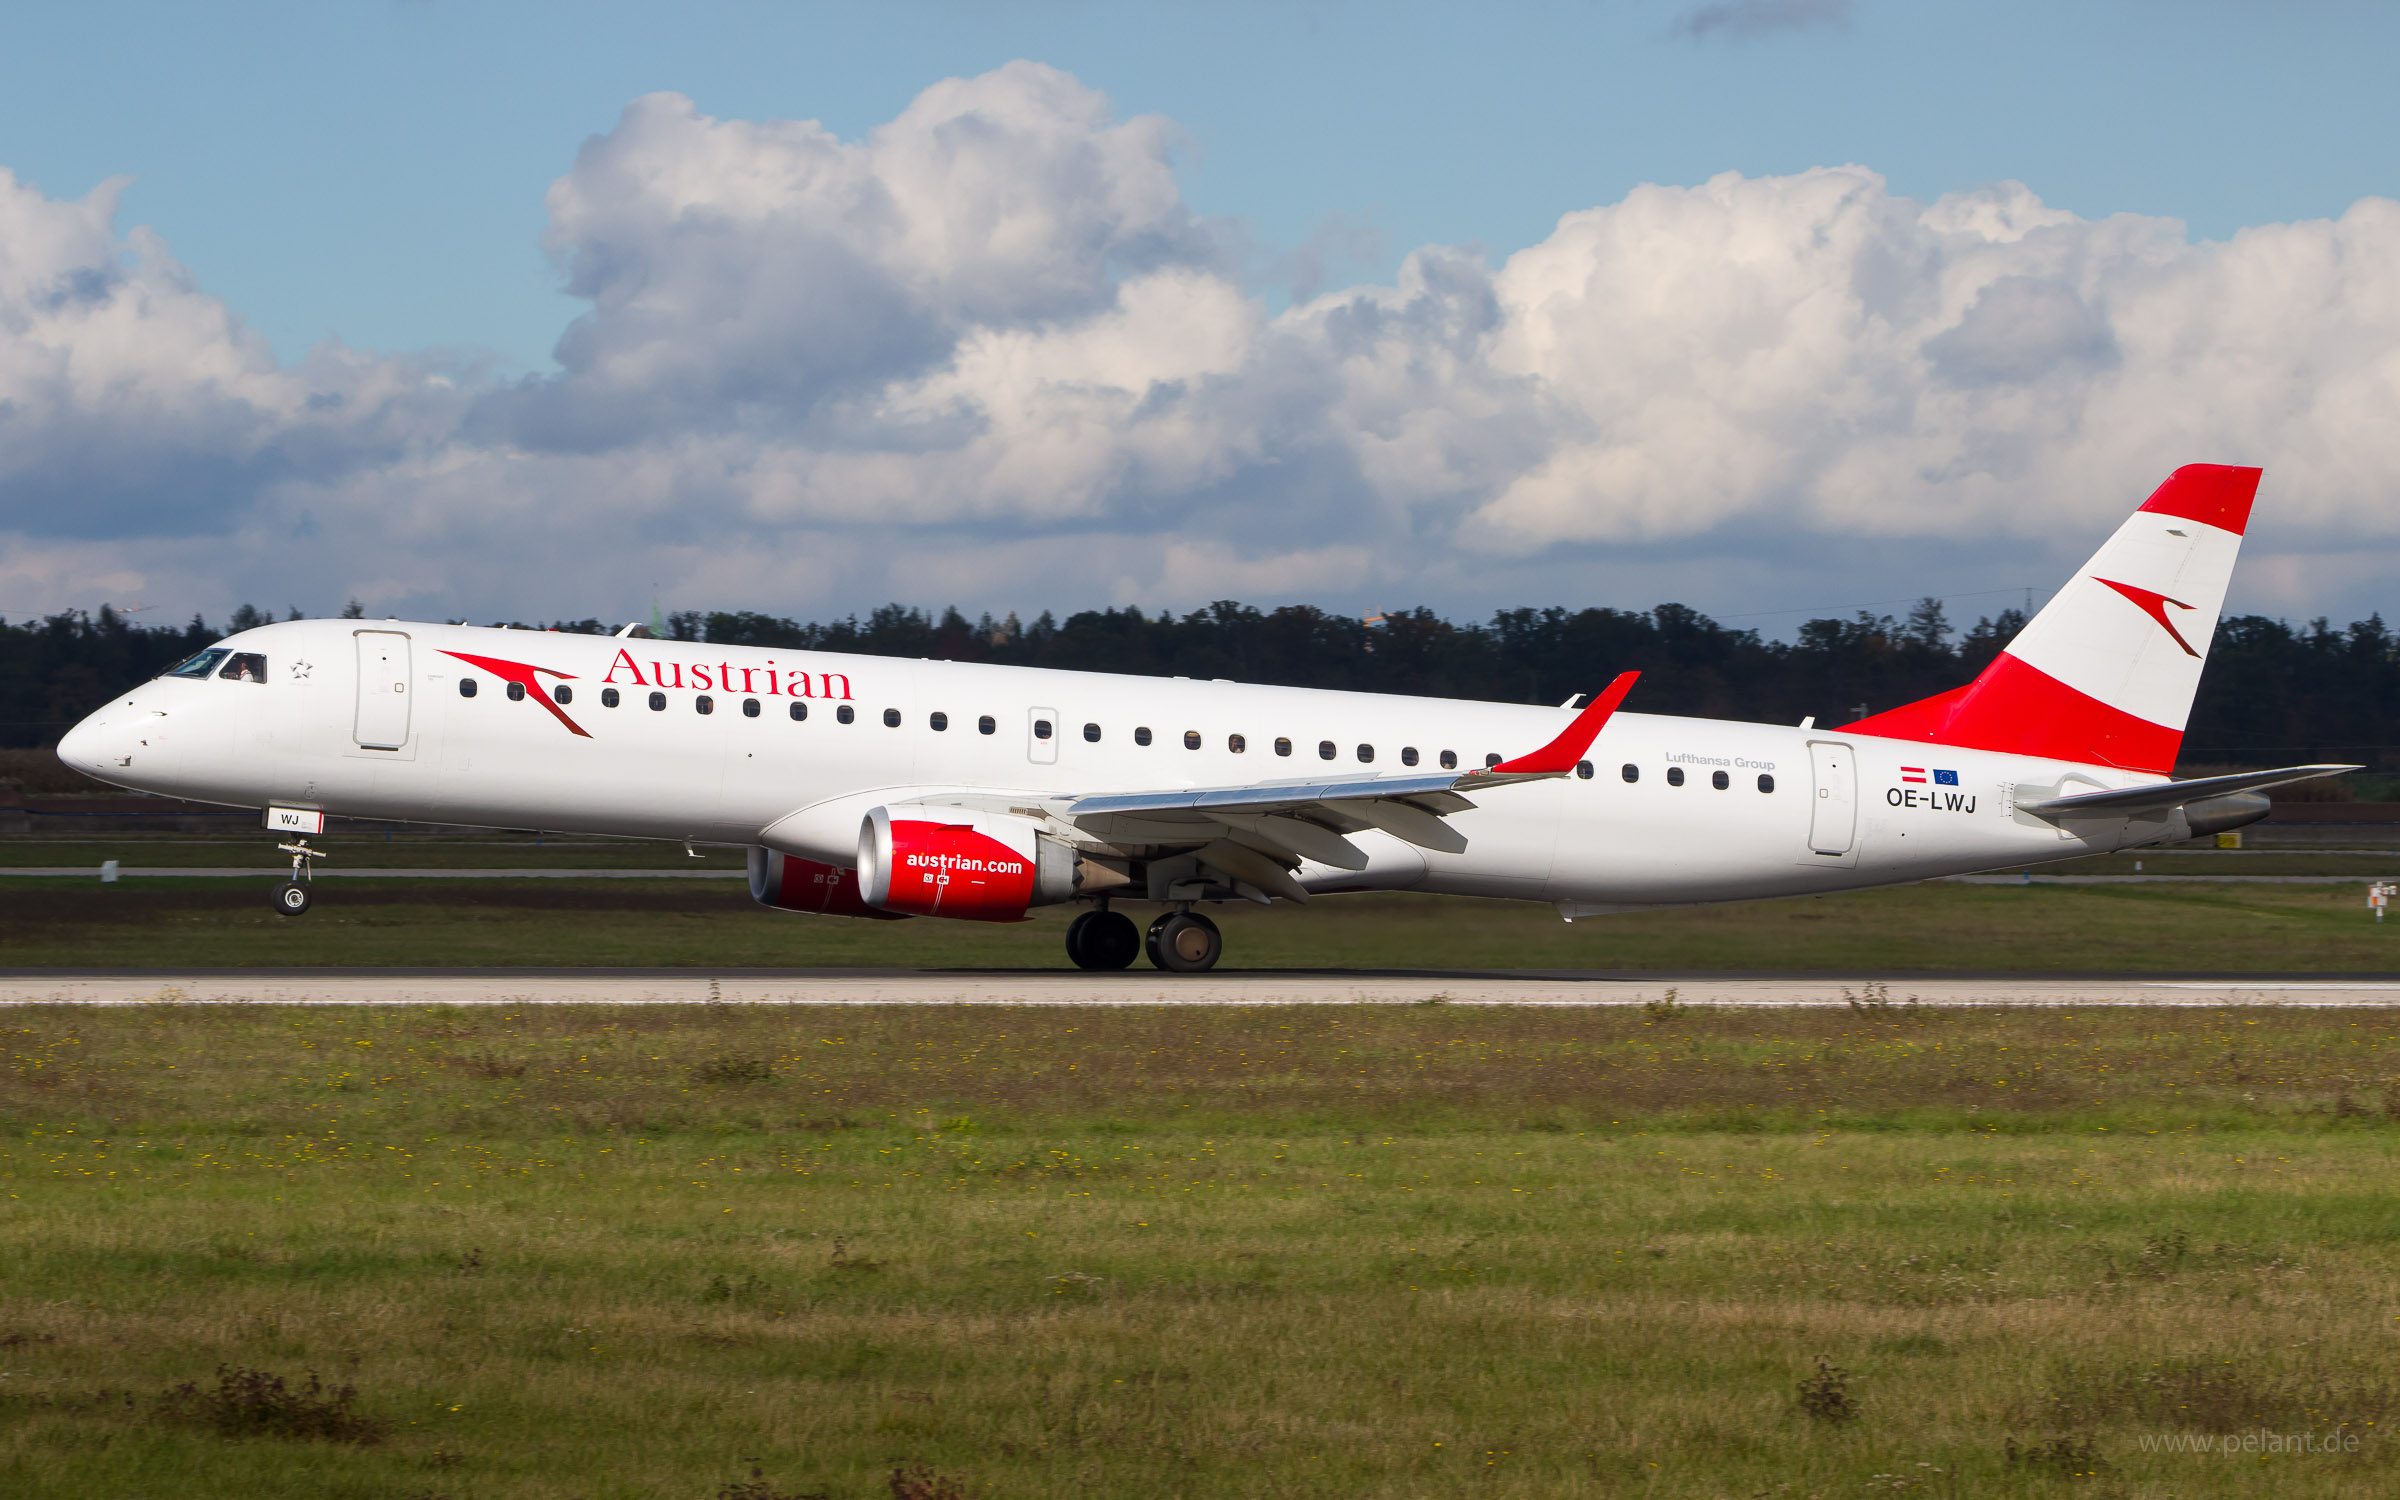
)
(2273, 691)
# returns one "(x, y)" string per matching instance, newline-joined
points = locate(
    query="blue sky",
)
(375, 171)
(1369, 305)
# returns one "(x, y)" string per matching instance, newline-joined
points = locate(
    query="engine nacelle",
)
(926, 861)
(790, 884)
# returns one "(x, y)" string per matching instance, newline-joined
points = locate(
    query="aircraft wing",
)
(1258, 833)
(2166, 796)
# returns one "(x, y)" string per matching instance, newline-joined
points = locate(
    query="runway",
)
(1146, 987)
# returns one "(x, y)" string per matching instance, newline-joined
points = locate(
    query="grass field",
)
(753, 1253)
(214, 923)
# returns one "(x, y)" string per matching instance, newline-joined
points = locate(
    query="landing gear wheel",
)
(291, 899)
(1184, 942)
(1102, 940)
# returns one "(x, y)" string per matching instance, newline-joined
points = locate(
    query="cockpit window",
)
(246, 666)
(198, 666)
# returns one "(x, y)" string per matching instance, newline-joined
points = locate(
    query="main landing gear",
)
(1184, 942)
(1102, 940)
(292, 898)
(1181, 942)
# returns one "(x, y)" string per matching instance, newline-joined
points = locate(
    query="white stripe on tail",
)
(2106, 672)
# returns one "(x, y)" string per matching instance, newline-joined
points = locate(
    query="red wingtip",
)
(1560, 755)
(2212, 494)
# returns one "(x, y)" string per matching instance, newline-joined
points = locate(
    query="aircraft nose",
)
(97, 746)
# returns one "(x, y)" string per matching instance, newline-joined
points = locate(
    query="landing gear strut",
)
(1184, 942)
(292, 897)
(1102, 940)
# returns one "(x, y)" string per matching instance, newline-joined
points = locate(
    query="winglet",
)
(1559, 756)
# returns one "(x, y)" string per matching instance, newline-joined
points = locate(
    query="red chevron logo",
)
(523, 673)
(2153, 604)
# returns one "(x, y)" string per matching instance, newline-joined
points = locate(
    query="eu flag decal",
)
(1945, 778)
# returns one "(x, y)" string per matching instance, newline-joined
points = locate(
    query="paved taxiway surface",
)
(1148, 987)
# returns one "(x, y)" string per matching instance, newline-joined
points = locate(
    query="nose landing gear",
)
(292, 897)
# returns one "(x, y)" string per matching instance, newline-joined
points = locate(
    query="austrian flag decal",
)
(1917, 775)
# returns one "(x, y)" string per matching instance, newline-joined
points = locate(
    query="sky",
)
(1772, 307)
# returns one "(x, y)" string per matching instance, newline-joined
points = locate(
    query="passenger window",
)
(1325, 750)
(1041, 729)
(938, 723)
(799, 712)
(1631, 772)
(516, 693)
(203, 664)
(1282, 746)
(1191, 739)
(704, 704)
(1766, 783)
(1236, 743)
(1408, 755)
(1141, 735)
(1674, 775)
(1490, 761)
(846, 714)
(246, 666)
(658, 702)
(1449, 760)
(1583, 768)
(1091, 733)
(466, 687)
(562, 695)
(749, 708)
(608, 698)
(986, 725)
(1719, 780)
(1366, 754)
(891, 718)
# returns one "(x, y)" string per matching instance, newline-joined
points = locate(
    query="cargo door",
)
(1833, 815)
(383, 676)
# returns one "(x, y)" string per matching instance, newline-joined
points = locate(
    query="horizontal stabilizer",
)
(2167, 795)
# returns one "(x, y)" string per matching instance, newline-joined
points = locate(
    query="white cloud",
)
(987, 350)
(1742, 19)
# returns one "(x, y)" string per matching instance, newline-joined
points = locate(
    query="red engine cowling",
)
(789, 884)
(927, 861)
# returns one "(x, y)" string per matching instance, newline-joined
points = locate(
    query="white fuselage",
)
(1845, 811)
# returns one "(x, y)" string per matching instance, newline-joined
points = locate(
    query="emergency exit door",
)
(1833, 812)
(383, 677)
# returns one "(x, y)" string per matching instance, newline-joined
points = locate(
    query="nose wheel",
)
(292, 897)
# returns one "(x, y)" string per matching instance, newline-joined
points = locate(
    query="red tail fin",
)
(2105, 673)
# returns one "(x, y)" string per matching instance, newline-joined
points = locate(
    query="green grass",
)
(1404, 1251)
(167, 922)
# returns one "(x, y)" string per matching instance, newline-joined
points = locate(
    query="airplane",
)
(882, 788)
